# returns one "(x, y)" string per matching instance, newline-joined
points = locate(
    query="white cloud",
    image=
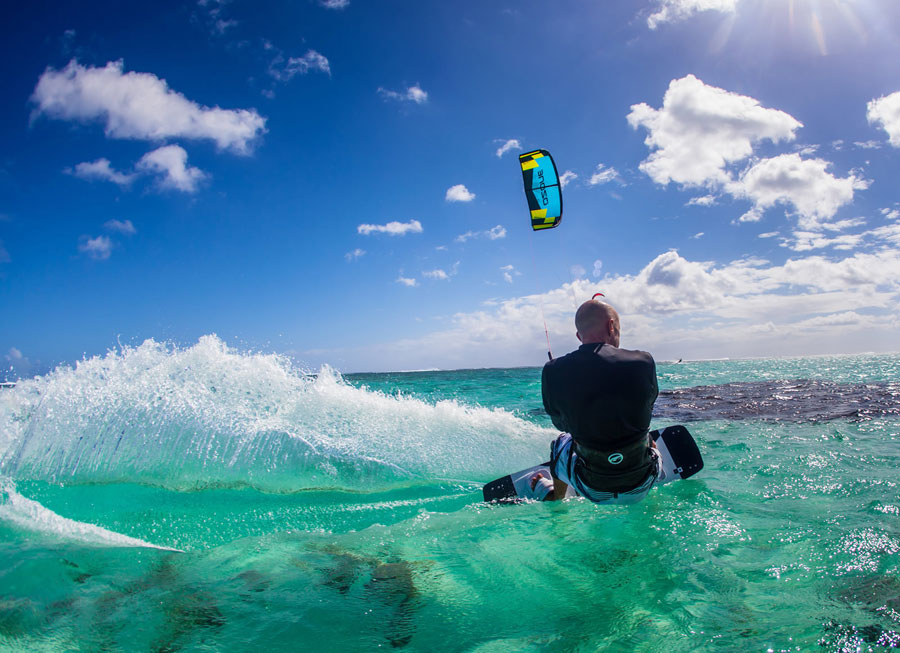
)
(891, 214)
(889, 234)
(841, 225)
(577, 271)
(674, 10)
(122, 227)
(705, 200)
(508, 272)
(805, 184)
(214, 19)
(458, 193)
(170, 161)
(100, 169)
(335, 4)
(768, 234)
(355, 254)
(436, 274)
(494, 233)
(411, 94)
(406, 281)
(567, 177)
(676, 308)
(868, 145)
(285, 69)
(603, 175)
(511, 144)
(98, 248)
(701, 129)
(698, 235)
(393, 228)
(702, 132)
(885, 113)
(140, 106)
(804, 241)
(20, 363)
(598, 266)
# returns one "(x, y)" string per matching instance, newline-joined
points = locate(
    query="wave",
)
(210, 415)
(32, 516)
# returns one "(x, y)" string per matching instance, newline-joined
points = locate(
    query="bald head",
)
(597, 321)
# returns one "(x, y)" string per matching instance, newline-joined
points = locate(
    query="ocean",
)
(201, 498)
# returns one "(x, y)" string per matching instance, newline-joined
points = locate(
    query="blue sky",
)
(338, 180)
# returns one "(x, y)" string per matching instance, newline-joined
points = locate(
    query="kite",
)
(542, 189)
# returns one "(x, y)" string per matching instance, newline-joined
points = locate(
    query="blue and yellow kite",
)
(542, 189)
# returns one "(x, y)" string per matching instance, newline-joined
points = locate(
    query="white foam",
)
(208, 414)
(32, 516)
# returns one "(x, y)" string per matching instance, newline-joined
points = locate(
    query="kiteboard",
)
(679, 453)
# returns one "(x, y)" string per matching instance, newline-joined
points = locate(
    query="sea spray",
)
(208, 416)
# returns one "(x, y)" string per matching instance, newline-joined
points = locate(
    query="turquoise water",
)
(162, 499)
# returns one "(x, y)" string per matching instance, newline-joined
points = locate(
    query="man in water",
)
(602, 397)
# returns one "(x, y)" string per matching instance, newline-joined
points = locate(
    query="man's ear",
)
(578, 335)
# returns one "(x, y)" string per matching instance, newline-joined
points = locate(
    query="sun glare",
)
(820, 27)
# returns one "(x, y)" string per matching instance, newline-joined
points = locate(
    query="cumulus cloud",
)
(675, 10)
(120, 226)
(891, 214)
(701, 129)
(598, 266)
(705, 200)
(511, 144)
(603, 175)
(20, 363)
(494, 233)
(675, 307)
(702, 132)
(169, 162)
(508, 272)
(804, 184)
(392, 228)
(283, 69)
(102, 170)
(885, 113)
(98, 248)
(140, 106)
(458, 193)
(566, 178)
(407, 281)
(577, 271)
(411, 94)
(355, 254)
(436, 274)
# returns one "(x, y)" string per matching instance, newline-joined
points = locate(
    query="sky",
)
(338, 180)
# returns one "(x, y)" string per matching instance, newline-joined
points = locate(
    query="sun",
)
(807, 27)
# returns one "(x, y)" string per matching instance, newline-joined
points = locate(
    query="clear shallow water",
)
(345, 514)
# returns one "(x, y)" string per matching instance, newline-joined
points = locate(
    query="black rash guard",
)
(604, 397)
